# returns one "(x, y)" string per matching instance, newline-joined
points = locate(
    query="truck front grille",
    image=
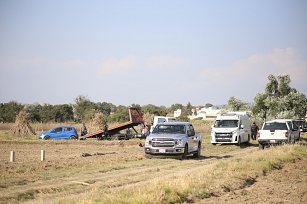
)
(163, 142)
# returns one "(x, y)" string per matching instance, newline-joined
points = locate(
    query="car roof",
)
(64, 126)
(174, 123)
(282, 120)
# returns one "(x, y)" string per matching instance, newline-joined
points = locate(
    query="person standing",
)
(254, 129)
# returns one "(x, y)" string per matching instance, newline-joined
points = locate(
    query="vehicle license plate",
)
(162, 150)
(272, 141)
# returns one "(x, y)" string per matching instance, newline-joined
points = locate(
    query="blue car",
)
(60, 133)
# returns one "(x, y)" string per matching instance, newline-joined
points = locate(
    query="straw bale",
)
(22, 125)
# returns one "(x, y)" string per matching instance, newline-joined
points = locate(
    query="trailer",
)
(135, 120)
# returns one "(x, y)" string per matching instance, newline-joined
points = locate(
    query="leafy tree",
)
(63, 113)
(208, 105)
(121, 114)
(8, 111)
(105, 108)
(35, 112)
(176, 106)
(82, 107)
(152, 109)
(235, 104)
(280, 100)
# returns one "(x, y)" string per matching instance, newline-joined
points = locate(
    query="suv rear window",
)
(275, 126)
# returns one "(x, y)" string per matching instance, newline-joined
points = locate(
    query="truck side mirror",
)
(191, 133)
(242, 127)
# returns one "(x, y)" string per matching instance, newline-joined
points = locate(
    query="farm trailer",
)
(135, 120)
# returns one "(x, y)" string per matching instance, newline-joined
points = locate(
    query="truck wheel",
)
(185, 153)
(197, 154)
(148, 156)
(261, 146)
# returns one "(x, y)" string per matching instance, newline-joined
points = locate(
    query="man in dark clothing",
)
(254, 130)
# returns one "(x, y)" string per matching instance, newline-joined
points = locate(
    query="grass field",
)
(117, 171)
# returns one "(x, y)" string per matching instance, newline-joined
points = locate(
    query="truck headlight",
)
(178, 142)
(147, 142)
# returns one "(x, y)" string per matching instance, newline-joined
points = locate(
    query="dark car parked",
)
(60, 133)
(301, 124)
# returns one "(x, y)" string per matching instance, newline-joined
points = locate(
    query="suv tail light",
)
(286, 134)
(258, 135)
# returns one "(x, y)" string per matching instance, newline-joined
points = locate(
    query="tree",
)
(208, 105)
(176, 106)
(82, 107)
(235, 104)
(8, 111)
(280, 100)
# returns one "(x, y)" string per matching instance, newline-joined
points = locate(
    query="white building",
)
(177, 113)
(206, 113)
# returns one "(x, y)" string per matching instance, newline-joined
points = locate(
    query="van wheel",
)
(239, 141)
(185, 153)
(197, 154)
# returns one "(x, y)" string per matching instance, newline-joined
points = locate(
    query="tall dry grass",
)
(199, 183)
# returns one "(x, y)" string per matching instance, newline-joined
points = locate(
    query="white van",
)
(161, 119)
(231, 127)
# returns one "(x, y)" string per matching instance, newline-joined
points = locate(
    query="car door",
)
(243, 133)
(56, 133)
(295, 130)
(192, 138)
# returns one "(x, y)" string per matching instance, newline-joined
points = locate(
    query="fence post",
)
(42, 155)
(12, 156)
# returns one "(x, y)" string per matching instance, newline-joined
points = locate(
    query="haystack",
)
(98, 122)
(148, 118)
(22, 124)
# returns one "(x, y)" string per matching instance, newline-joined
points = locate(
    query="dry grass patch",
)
(199, 183)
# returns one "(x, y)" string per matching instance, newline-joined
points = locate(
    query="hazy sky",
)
(149, 51)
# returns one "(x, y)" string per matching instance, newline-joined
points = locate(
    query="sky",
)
(149, 51)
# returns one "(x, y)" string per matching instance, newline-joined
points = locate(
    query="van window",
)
(161, 120)
(226, 123)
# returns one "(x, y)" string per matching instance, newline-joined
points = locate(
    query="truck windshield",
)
(275, 126)
(169, 129)
(226, 123)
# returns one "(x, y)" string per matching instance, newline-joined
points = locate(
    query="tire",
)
(261, 146)
(72, 137)
(148, 156)
(213, 144)
(239, 141)
(47, 138)
(197, 154)
(185, 153)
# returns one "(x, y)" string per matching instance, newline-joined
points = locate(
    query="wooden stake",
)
(12, 156)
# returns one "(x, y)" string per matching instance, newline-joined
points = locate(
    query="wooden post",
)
(12, 156)
(42, 155)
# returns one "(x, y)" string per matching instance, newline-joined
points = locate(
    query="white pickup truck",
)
(173, 139)
(278, 131)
